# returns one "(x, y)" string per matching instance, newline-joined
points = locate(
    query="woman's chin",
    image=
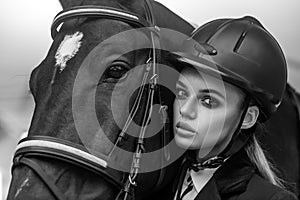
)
(184, 143)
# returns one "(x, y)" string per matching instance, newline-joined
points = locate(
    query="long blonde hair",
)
(264, 166)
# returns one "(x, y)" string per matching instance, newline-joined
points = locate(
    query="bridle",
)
(50, 147)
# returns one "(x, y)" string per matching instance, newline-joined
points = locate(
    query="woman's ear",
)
(250, 117)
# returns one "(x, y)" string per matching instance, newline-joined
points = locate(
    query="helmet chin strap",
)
(238, 140)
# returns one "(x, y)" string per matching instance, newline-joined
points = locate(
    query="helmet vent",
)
(239, 42)
(217, 30)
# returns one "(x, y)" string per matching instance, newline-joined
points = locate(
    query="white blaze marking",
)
(21, 187)
(68, 49)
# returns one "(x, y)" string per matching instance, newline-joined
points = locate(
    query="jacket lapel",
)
(209, 191)
(231, 178)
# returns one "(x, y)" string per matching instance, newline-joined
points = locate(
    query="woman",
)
(233, 74)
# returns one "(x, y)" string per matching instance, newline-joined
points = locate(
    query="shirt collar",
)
(201, 177)
(231, 177)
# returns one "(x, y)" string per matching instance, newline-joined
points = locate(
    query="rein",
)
(43, 146)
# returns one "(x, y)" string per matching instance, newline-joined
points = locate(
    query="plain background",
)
(25, 39)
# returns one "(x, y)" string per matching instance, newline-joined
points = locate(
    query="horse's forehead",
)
(122, 42)
(128, 40)
(119, 45)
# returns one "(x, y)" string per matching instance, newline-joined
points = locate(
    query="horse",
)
(94, 95)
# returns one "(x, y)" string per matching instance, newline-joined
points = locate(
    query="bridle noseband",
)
(43, 146)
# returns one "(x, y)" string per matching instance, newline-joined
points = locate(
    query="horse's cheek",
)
(27, 187)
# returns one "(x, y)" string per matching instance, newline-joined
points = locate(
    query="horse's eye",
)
(116, 72)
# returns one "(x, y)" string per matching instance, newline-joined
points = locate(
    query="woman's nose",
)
(188, 108)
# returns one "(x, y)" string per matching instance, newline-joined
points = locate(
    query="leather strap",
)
(39, 147)
(98, 12)
(149, 13)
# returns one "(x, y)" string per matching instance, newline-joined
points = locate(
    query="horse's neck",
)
(69, 178)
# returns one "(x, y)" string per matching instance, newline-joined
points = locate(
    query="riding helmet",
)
(243, 53)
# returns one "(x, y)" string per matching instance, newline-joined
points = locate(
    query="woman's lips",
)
(184, 129)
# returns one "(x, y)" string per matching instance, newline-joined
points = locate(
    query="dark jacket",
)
(238, 179)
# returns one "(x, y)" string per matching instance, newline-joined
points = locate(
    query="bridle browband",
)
(96, 12)
(44, 146)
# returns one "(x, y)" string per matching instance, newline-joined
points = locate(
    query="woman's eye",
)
(210, 101)
(180, 94)
(116, 72)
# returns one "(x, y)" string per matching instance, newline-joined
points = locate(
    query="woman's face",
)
(207, 112)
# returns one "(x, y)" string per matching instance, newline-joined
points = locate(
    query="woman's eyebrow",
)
(208, 91)
(181, 84)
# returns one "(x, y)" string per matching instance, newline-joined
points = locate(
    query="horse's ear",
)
(69, 3)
